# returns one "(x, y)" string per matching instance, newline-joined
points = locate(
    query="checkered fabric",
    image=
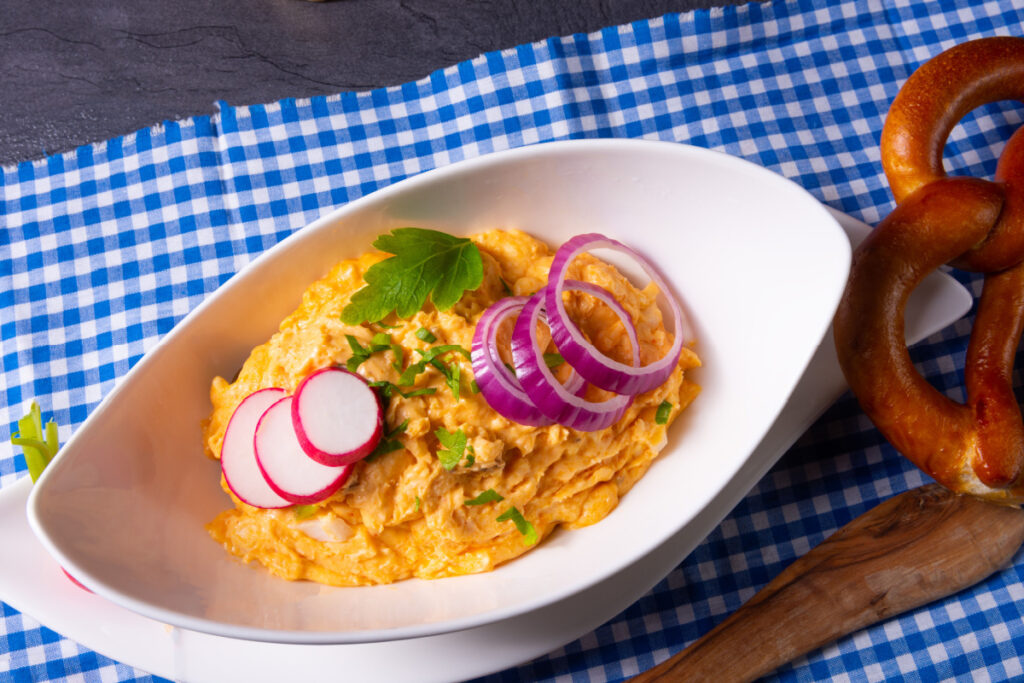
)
(104, 249)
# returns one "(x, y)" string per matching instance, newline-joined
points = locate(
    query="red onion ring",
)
(500, 387)
(584, 357)
(539, 383)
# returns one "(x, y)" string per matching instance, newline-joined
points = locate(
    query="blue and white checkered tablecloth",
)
(104, 249)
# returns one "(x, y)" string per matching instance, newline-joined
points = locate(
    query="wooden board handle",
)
(910, 550)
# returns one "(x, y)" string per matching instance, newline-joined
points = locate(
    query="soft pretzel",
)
(975, 447)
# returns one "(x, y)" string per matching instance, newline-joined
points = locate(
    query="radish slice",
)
(238, 457)
(291, 473)
(336, 416)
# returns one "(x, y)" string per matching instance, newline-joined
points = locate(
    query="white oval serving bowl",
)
(758, 262)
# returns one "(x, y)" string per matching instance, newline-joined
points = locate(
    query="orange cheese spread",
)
(401, 514)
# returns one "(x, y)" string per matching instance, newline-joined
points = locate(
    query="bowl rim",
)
(36, 513)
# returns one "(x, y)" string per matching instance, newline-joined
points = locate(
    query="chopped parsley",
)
(38, 442)
(423, 334)
(522, 525)
(553, 360)
(380, 342)
(387, 390)
(426, 263)
(661, 416)
(452, 372)
(454, 448)
(418, 503)
(388, 442)
(304, 511)
(488, 496)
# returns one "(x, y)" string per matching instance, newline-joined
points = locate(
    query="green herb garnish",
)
(38, 443)
(488, 496)
(389, 442)
(418, 503)
(661, 416)
(452, 373)
(304, 511)
(423, 334)
(426, 263)
(380, 342)
(454, 447)
(553, 360)
(524, 527)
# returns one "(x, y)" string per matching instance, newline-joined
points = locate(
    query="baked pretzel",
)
(975, 447)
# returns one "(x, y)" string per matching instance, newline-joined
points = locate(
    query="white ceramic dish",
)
(32, 583)
(758, 262)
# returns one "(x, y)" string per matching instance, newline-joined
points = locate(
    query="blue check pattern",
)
(104, 249)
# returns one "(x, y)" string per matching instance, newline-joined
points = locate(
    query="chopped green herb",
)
(553, 360)
(426, 263)
(508, 366)
(388, 443)
(454, 447)
(474, 387)
(304, 511)
(488, 496)
(504, 286)
(38, 443)
(452, 373)
(524, 527)
(661, 416)
(423, 334)
(380, 342)
(418, 503)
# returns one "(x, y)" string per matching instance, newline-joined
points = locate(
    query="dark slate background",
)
(77, 72)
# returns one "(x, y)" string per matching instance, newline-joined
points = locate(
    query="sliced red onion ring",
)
(499, 386)
(539, 383)
(584, 357)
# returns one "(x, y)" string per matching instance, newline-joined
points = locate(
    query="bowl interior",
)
(758, 263)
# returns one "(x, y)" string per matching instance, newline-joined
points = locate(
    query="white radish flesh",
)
(238, 455)
(289, 471)
(336, 416)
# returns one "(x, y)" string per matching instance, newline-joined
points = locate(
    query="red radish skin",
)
(238, 456)
(286, 467)
(74, 580)
(337, 417)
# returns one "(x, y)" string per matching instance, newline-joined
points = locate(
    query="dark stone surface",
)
(76, 72)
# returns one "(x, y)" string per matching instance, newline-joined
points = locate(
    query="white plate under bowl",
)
(758, 262)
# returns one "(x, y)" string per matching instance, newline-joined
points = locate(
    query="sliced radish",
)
(289, 471)
(336, 416)
(238, 456)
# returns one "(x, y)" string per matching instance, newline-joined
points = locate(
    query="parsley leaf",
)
(553, 360)
(488, 496)
(380, 342)
(452, 373)
(454, 447)
(304, 511)
(664, 410)
(525, 528)
(423, 334)
(388, 443)
(426, 263)
(38, 443)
